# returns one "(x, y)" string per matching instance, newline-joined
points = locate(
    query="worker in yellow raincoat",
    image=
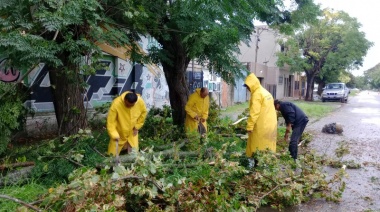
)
(125, 118)
(197, 110)
(262, 120)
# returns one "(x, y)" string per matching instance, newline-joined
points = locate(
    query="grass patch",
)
(238, 107)
(27, 193)
(233, 111)
(316, 109)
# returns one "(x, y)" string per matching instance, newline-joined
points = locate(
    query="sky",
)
(367, 13)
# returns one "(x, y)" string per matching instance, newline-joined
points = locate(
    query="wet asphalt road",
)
(360, 118)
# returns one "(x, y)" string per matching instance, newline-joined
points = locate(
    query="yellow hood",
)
(252, 82)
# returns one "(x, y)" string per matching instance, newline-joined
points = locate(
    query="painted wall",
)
(8, 74)
(117, 77)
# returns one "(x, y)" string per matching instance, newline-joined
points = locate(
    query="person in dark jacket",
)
(296, 120)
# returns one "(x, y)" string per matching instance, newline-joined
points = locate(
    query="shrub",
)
(12, 113)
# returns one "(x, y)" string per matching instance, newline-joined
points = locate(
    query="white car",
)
(335, 92)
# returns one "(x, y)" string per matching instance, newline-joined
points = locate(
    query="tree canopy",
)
(208, 31)
(64, 36)
(325, 49)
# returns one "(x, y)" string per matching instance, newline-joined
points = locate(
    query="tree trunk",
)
(175, 74)
(178, 94)
(68, 99)
(321, 85)
(310, 86)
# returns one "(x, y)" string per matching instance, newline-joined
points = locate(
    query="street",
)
(360, 118)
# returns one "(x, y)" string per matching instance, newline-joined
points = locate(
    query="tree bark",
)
(68, 99)
(175, 74)
(178, 94)
(16, 165)
(310, 86)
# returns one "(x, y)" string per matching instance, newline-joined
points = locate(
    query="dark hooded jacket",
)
(292, 114)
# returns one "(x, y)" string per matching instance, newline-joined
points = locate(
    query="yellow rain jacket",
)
(196, 106)
(121, 120)
(262, 120)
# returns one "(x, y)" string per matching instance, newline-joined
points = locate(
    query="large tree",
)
(333, 44)
(63, 35)
(208, 31)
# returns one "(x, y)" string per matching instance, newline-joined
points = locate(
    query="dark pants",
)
(295, 137)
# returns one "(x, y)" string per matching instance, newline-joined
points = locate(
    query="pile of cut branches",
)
(176, 176)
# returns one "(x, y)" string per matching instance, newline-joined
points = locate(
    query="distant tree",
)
(210, 32)
(351, 83)
(372, 76)
(325, 49)
(361, 82)
(63, 35)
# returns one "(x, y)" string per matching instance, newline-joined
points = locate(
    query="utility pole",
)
(258, 33)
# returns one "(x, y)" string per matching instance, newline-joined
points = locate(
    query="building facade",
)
(260, 58)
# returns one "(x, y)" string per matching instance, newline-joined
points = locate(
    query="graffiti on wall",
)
(41, 98)
(108, 82)
(155, 89)
(195, 80)
(100, 85)
(8, 74)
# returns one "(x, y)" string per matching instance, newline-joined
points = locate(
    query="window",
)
(280, 80)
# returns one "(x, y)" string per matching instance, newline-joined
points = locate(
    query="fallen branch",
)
(165, 154)
(20, 202)
(97, 151)
(15, 165)
(262, 197)
(233, 135)
(141, 178)
(63, 157)
(238, 135)
(169, 167)
(171, 145)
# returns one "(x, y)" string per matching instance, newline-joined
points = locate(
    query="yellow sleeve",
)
(254, 110)
(111, 123)
(189, 105)
(141, 119)
(206, 108)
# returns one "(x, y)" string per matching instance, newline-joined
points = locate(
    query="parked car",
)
(335, 92)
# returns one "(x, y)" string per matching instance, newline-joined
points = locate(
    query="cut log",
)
(169, 146)
(16, 165)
